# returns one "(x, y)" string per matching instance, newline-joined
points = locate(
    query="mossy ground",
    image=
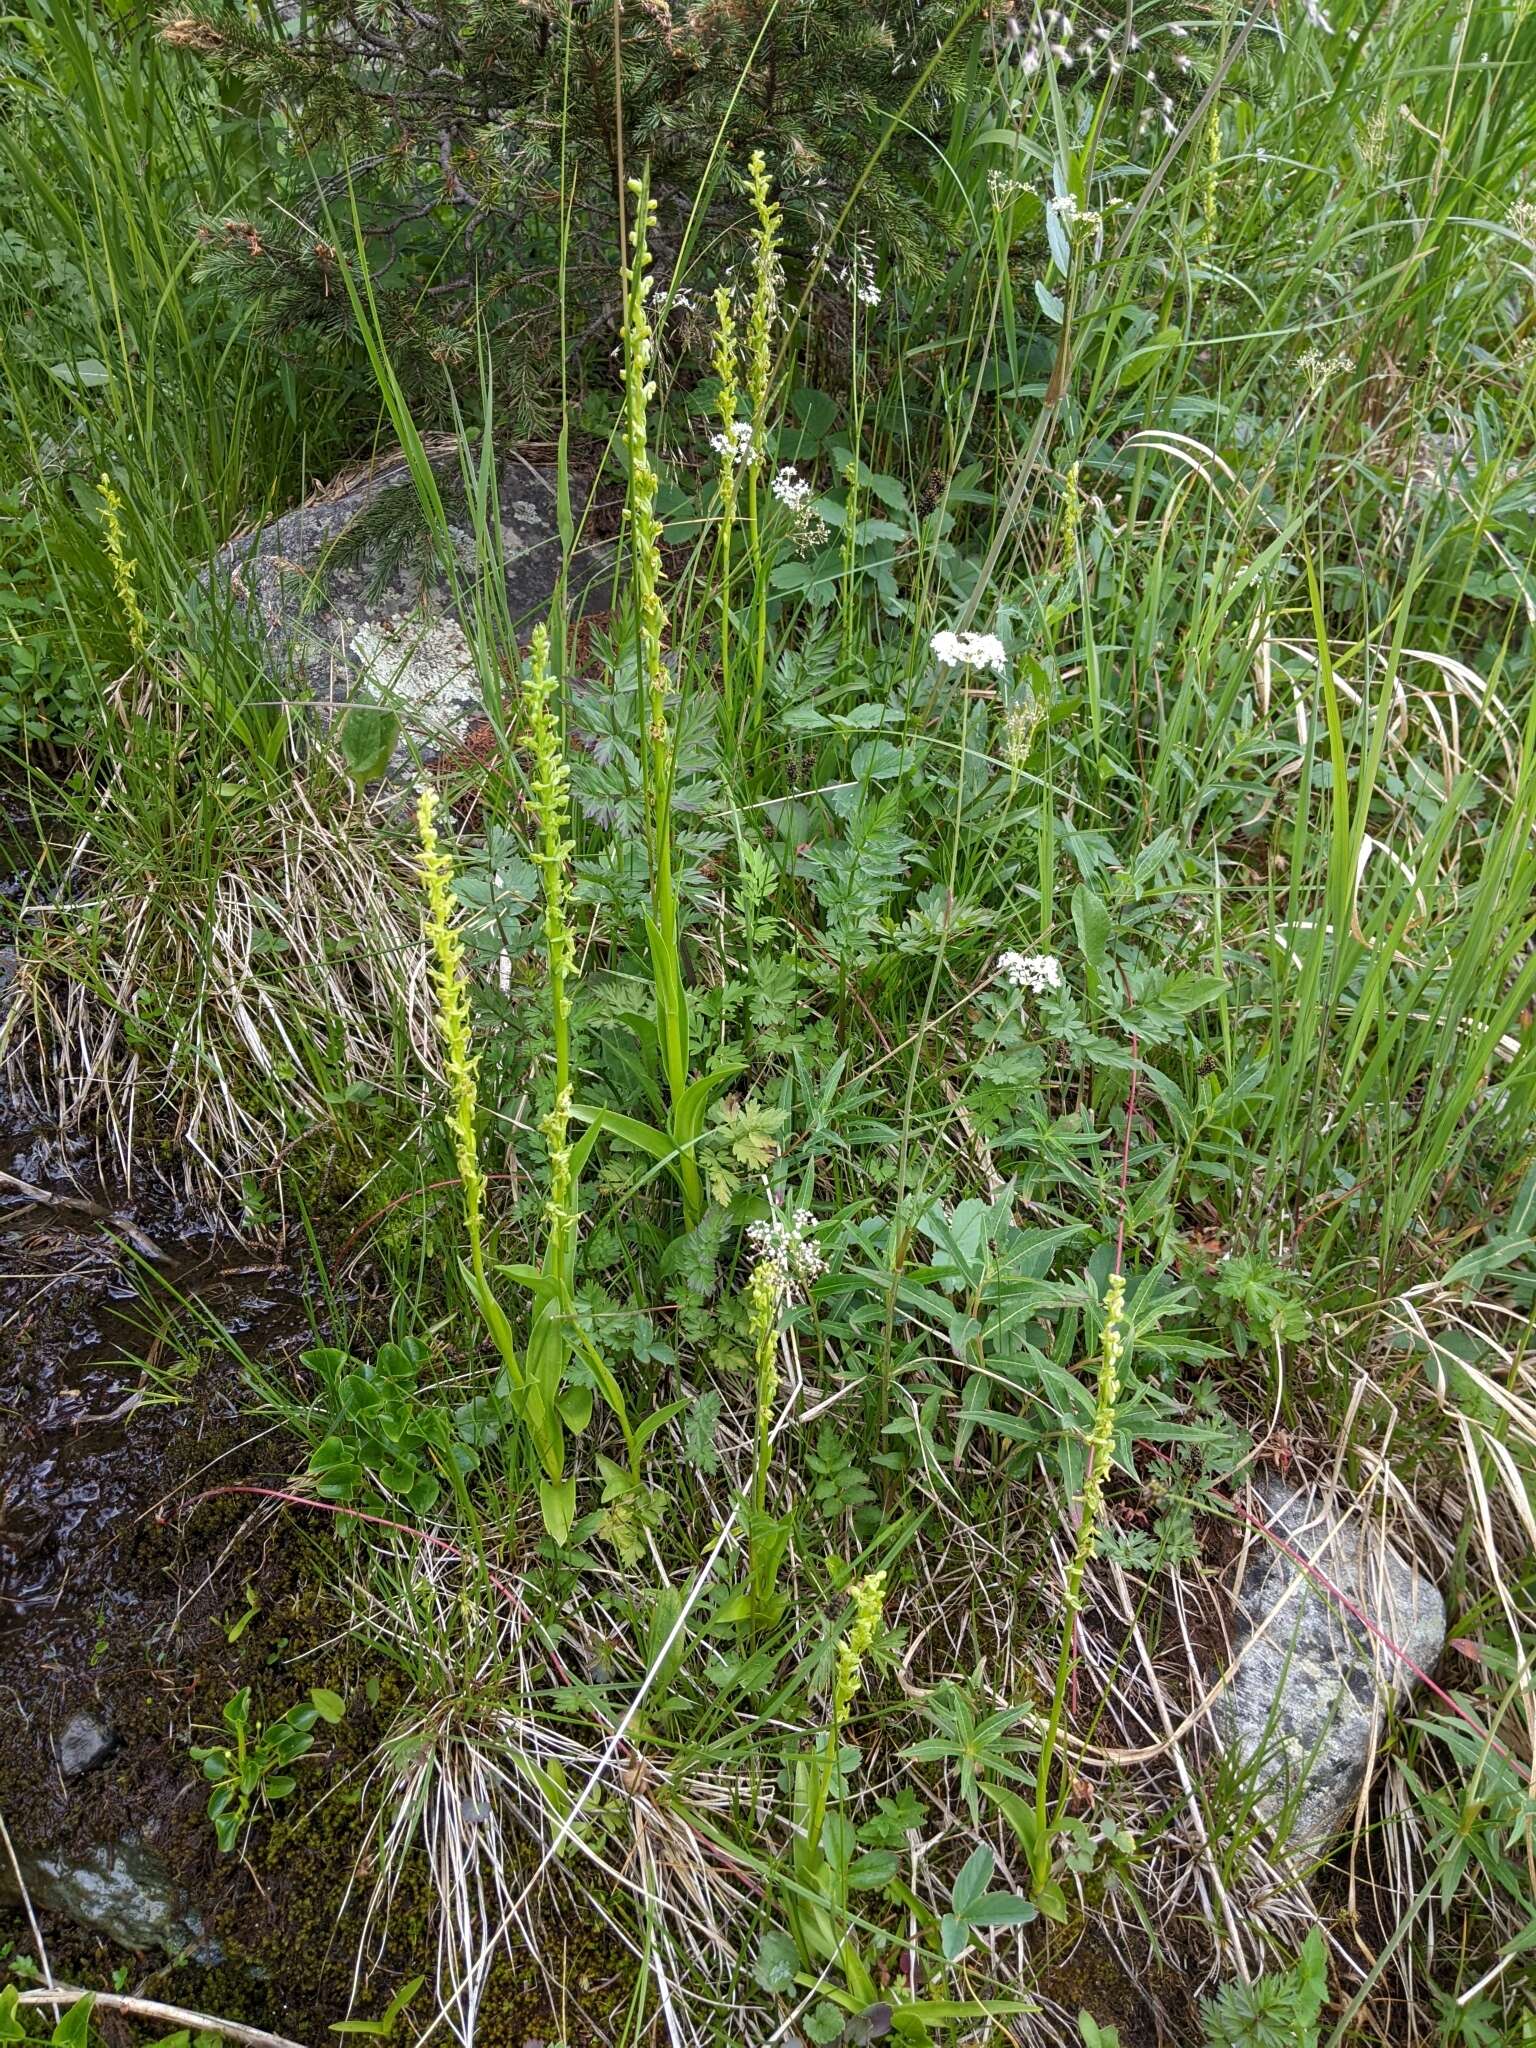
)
(174, 1592)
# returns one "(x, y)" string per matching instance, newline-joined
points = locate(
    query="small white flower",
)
(792, 490)
(737, 445)
(982, 652)
(1317, 367)
(811, 533)
(1037, 972)
(860, 274)
(1020, 724)
(1005, 190)
(784, 1242)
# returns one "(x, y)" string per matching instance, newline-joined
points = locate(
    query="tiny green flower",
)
(765, 294)
(868, 1597)
(123, 567)
(451, 989)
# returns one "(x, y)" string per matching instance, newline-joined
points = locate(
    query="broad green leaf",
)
(12, 2026)
(1019, 1814)
(575, 1406)
(366, 736)
(644, 1137)
(1003, 1909)
(954, 1937)
(659, 1419)
(557, 1504)
(1090, 920)
(777, 1961)
(1488, 1258)
(971, 1884)
(1142, 361)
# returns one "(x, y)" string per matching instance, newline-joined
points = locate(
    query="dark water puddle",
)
(100, 1367)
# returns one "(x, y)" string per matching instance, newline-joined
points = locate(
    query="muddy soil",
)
(137, 1595)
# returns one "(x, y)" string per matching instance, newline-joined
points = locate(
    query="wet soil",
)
(137, 1591)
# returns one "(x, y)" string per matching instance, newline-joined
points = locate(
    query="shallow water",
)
(99, 1364)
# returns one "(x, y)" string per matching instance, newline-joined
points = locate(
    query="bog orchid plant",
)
(1090, 1505)
(726, 443)
(682, 1098)
(819, 1904)
(760, 361)
(123, 568)
(532, 1391)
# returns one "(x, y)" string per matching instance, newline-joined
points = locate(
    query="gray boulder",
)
(353, 610)
(1313, 1682)
(120, 1889)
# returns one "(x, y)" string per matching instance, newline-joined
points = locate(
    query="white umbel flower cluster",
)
(792, 490)
(736, 445)
(1317, 366)
(783, 1241)
(983, 653)
(1038, 972)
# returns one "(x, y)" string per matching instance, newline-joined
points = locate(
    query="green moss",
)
(1081, 1969)
(289, 1915)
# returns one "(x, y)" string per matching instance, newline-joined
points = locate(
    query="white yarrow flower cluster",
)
(982, 652)
(792, 490)
(1078, 223)
(1037, 972)
(737, 445)
(783, 1242)
(1318, 367)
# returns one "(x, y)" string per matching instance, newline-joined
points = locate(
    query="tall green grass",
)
(1226, 433)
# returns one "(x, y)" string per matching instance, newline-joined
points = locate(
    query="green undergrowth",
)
(982, 1002)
